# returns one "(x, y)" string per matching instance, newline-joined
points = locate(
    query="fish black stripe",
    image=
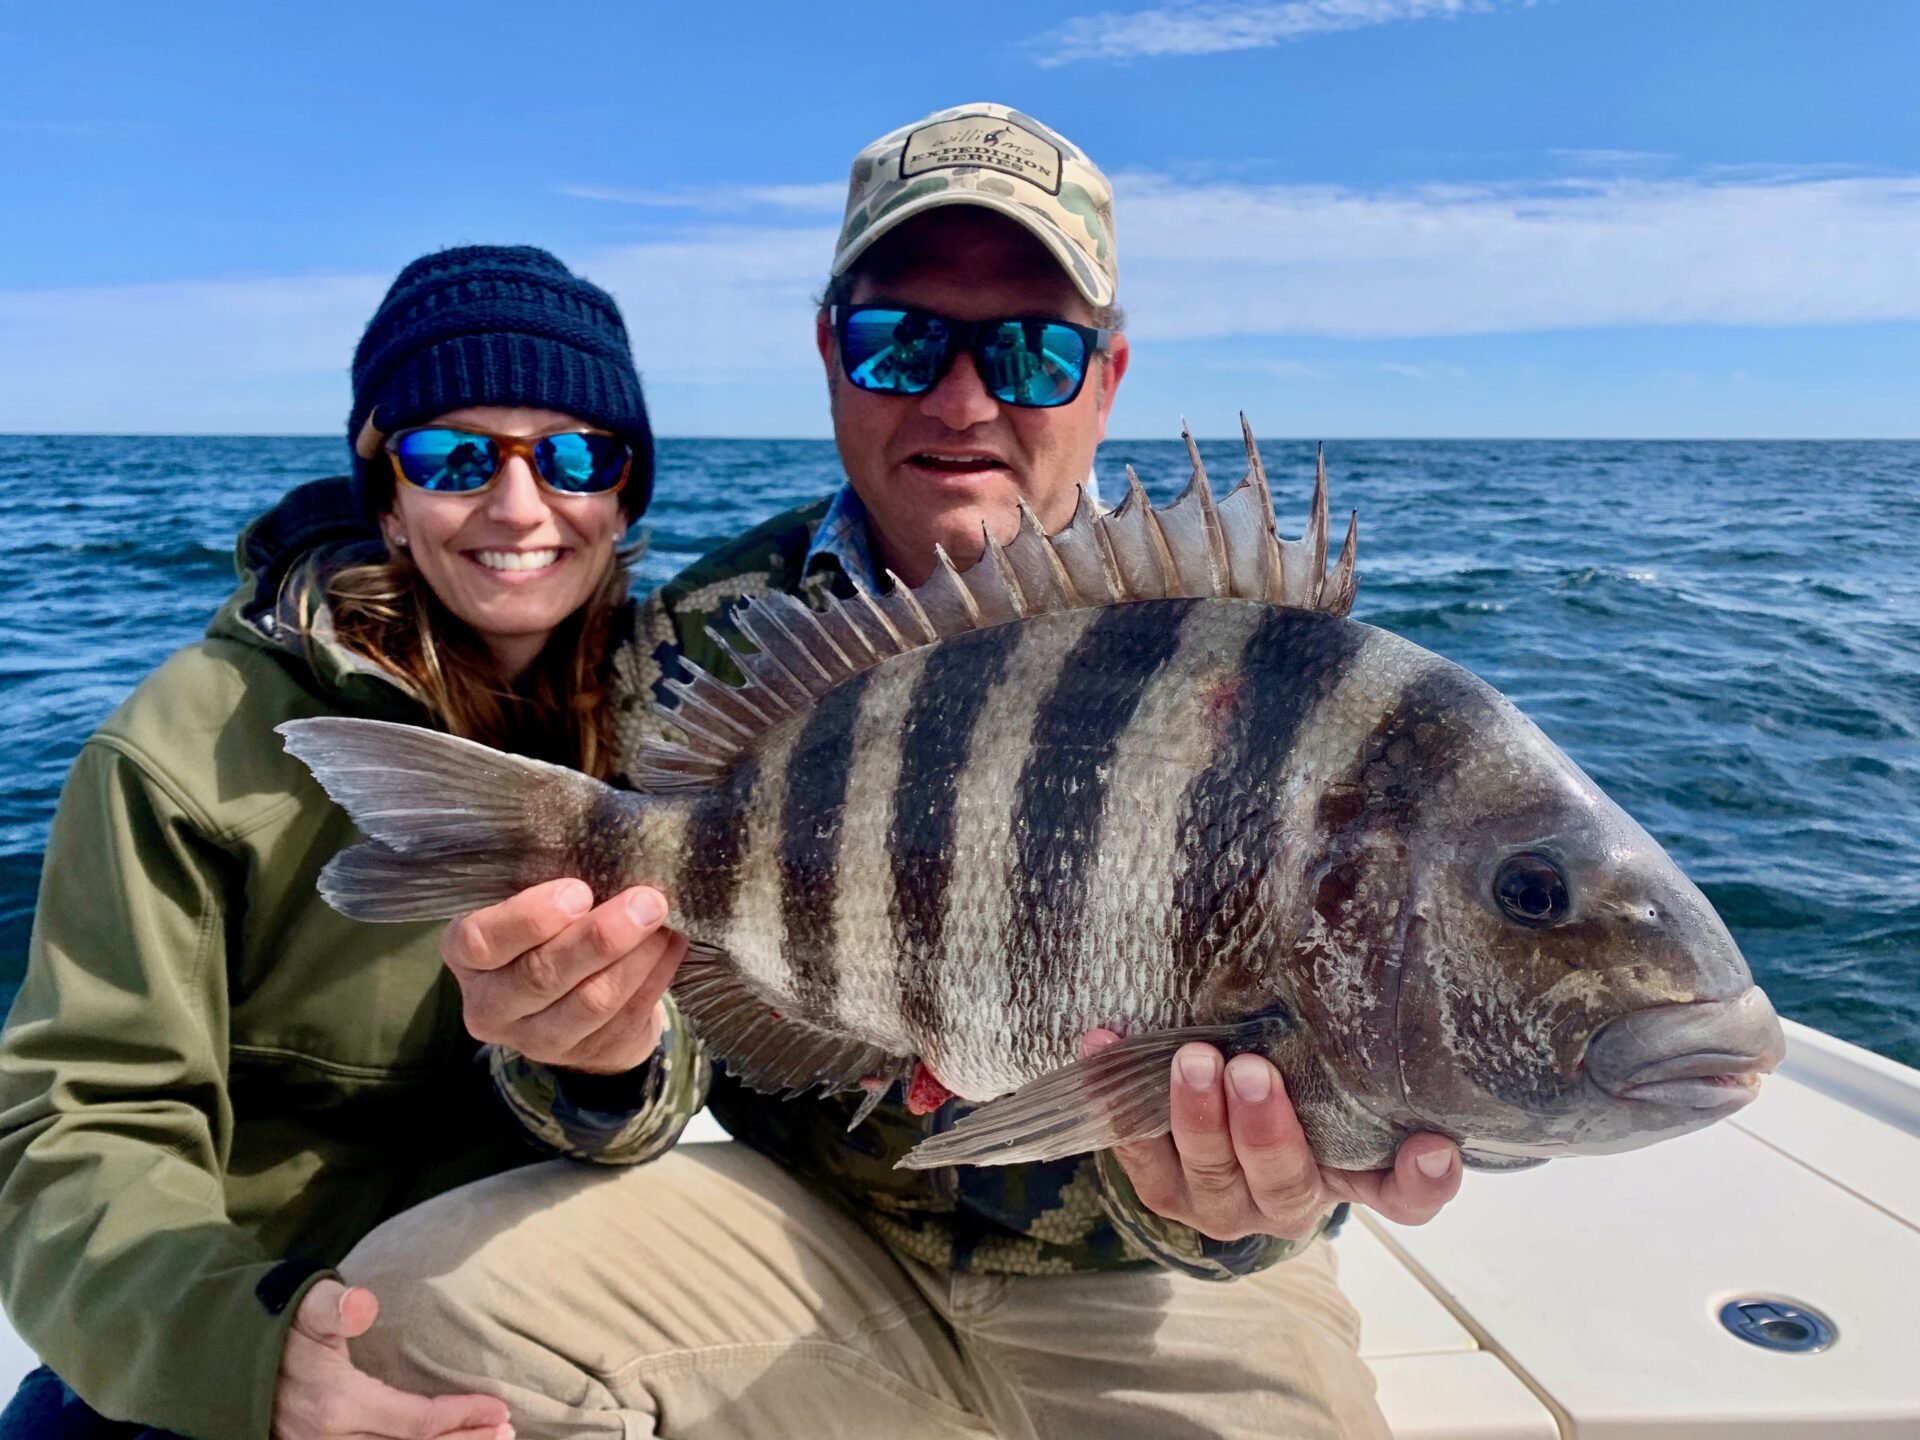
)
(1062, 790)
(714, 852)
(809, 842)
(1229, 836)
(1416, 745)
(946, 705)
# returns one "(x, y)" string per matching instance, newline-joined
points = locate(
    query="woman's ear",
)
(391, 531)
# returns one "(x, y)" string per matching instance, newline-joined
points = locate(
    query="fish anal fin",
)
(1115, 1096)
(768, 1049)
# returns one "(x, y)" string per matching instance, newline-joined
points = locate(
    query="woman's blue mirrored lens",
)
(449, 461)
(1033, 362)
(582, 463)
(896, 352)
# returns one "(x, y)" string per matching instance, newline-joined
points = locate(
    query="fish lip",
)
(1699, 1055)
(1726, 1089)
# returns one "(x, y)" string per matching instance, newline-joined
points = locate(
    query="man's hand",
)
(562, 982)
(1237, 1163)
(319, 1394)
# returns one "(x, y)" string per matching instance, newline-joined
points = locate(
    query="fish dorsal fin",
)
(1196, 546)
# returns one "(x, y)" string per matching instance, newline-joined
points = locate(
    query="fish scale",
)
(1141, 774)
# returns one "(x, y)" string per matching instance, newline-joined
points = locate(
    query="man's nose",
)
(516, 498)
(961, 399)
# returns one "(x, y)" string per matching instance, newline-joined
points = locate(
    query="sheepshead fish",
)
(1142, 774)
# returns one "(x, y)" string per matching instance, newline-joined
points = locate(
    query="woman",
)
(212, 1085)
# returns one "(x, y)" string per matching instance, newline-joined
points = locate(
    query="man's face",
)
(931, 468)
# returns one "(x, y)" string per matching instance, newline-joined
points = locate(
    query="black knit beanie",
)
(497, 325)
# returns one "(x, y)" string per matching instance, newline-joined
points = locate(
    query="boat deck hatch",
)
(1778, 1325)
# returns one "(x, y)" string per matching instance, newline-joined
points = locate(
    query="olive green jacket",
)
(1074, 1214)
(212, 1085)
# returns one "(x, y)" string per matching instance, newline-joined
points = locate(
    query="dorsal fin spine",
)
(749, 622)
(995, 555)
(1340, 586)
(912, 603)
(807, 652)
(690, 699)
(879, 617)
(1317, 527)
(868, 631)
(946, 586)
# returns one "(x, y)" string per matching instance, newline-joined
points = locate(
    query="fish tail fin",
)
(452, 825)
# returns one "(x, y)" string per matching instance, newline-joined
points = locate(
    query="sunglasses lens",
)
(894, 352)
(1034, 362)
(448, 461)
(582, 463)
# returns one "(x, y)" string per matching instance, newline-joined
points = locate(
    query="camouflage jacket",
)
(1067, 1215)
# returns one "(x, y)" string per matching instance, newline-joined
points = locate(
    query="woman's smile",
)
(517, 566)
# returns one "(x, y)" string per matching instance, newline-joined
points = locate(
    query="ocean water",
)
(1726, 635)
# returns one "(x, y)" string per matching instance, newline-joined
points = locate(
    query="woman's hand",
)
(562, 982)
(1238, 1164)
(320, 1395)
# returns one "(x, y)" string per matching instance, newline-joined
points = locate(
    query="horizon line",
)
(1109, 440)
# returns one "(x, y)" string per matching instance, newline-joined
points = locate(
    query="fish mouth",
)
(1704, 1055)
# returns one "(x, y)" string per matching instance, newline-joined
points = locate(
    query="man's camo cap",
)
(996, 157)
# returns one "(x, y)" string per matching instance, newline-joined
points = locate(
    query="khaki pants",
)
(711, 1294)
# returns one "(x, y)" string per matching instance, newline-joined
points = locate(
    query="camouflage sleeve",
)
(1181, 1247)
(619, 1120)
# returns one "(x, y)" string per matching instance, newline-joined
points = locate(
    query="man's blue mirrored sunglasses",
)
(451, 460)
(1027, 361)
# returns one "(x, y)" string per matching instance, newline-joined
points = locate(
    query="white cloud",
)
(713, 306)
(722, 312)
(720, 304)
(1216, 260)
(193, 356)
(1613, 159)
(828, 196)
(1208, 28)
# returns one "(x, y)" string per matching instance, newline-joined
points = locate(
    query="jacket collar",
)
(314, 529)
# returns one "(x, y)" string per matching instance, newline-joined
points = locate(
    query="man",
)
(798, 1283)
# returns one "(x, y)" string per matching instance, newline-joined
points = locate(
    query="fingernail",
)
(646, 907)
(1197, 1068)
(1252, 1079)
(1434, 1164)
(575, 899)
(505, 1432)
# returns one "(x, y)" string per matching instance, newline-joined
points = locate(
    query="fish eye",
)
(1531, 890)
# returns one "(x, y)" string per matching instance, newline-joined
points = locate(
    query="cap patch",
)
(985, 142)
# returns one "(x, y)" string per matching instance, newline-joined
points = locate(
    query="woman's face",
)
(515, 560)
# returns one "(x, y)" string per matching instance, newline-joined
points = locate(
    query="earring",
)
(401, 541)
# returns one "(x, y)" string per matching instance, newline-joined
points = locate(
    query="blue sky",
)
(1347, 217)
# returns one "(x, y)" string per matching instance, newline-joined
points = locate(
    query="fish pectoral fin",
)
(1115, 1096)
(774, 1053)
